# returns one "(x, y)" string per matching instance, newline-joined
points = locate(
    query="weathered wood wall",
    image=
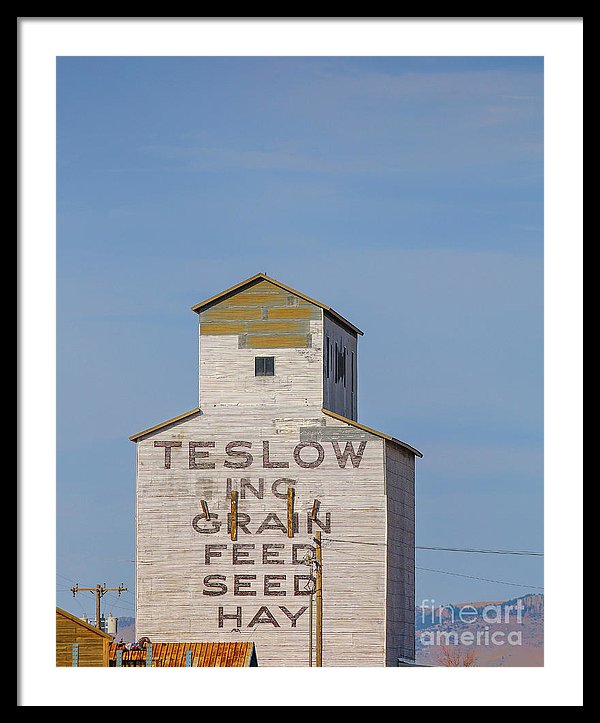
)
(259, 436)
(93, 646)
(400, 593)
(175, 599)
(262, 320)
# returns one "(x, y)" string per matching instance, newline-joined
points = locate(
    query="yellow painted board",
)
(276, 327)
(225, 327)
(273, 341)
(294, 312)
(253, 282)
(264, 286)
(247, 298)
(220, 313)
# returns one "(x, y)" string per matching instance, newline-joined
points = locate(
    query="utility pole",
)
(314, 564)
(99, 591)
(310, 628)
(310, 560)
(319, 600)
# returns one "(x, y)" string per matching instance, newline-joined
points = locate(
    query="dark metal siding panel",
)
(340, 392)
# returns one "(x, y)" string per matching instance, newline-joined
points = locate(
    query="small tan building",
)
(79, 644)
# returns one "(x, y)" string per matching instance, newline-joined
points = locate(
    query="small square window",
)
(264, 366)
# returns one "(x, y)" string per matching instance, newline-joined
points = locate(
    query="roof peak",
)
(199, 307)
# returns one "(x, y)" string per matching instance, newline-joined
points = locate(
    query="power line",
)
(99, 591)
(482, 552)
(418, 547)
(446, 572)
(355, 542)
(129, 609)
(83, 610)
(120, 600)
(125, 605)
(444, 549)
(70, 579)
(485, 579)
(120, 607)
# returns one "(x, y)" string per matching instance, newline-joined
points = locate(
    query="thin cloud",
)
(356, 121)
(216, 158)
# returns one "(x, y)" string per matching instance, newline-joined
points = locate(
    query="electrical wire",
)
(443, 572)
(468, 550)
(485, 579)
(482, 552)
(130, 609)
(444, 549)
(119, 605)
(127, 610)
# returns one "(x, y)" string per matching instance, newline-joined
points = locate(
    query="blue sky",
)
(407, 193)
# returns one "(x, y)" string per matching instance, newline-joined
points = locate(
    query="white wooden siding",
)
(227, 374)
(368, 554)
(400, 493)
(171, 564)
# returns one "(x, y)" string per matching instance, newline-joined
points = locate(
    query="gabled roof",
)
(372, 431)
(204, 655)
(83, 624)
(198, 308)
(334, 415)
(156, 427)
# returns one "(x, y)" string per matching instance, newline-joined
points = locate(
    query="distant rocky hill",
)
(125, 630)
(507, 633)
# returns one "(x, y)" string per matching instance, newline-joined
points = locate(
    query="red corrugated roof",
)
(204, 655)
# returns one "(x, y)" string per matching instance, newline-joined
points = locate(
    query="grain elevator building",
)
(231, 494)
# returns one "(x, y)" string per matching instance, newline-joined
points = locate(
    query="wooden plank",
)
(92, 643)
(400, 589)
(266, 286)
(333, 434)
(260, 279)
(225, 313)
(274, 341)
(293, 312)
(211, 328)
(227, 373)
(276, 327)
(251, 298)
